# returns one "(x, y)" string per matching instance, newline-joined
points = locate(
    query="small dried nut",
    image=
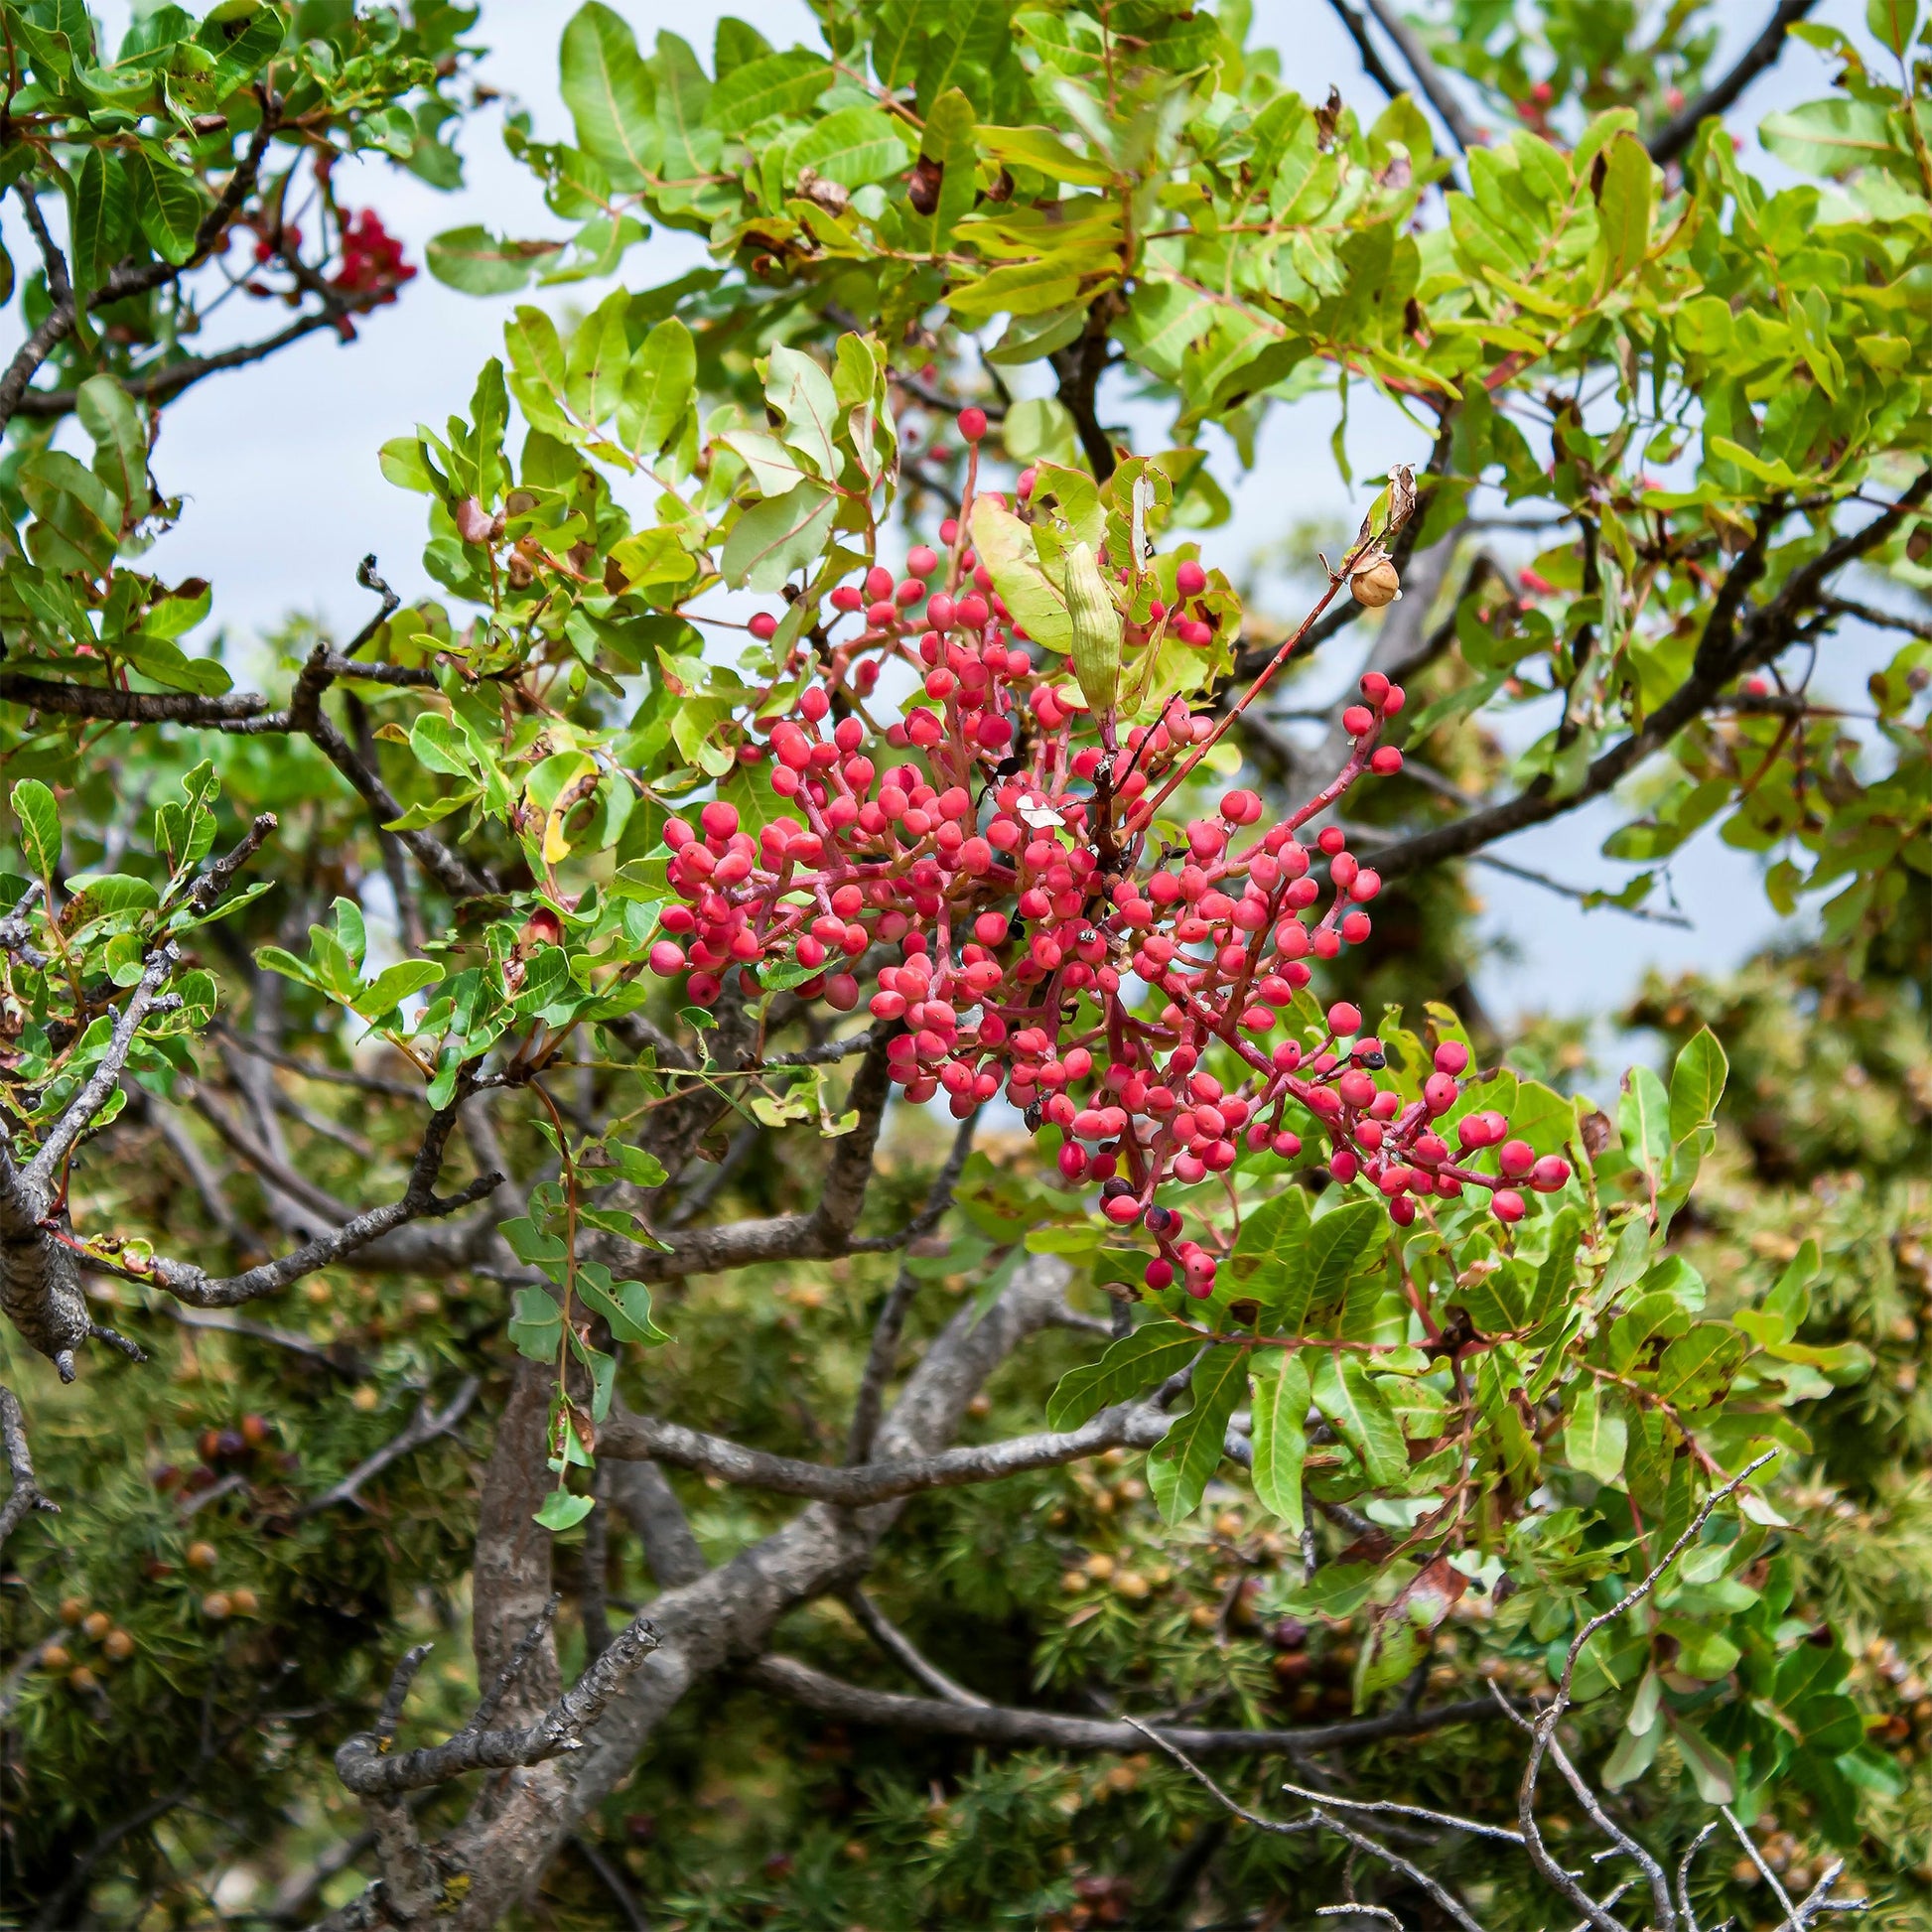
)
(56, 1656)
(80, 1677)
(118, 1646)
(203, 1556)
(97, 1624)
(218, 1604)
(1375, 583)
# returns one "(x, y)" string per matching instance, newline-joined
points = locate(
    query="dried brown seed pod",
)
(1375, 583)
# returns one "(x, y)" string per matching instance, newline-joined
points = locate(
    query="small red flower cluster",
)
(1042, 946)
(372, 263)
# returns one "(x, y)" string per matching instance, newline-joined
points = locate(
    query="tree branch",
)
(899, 1647)
(425, 1427)
(992, 1724)
(1429, 76)
(164, 384)
(419, 1201)
(627, 1436)
(881, 1356)
(1726, 649)
(1679, 130)
(26, 1496)
(371, 1771)
(1372, 62)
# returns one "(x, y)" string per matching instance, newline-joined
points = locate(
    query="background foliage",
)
(1670, 430)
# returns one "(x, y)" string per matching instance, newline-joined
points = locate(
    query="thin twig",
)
(426, 1425)
(1679, 130)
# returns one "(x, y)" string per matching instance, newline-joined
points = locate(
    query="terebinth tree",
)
(769, 1206)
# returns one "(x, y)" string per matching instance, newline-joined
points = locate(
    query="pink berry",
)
(666, 959)
(1375, 687)
(1516, 1159)
(1507, 1204)
(1452, 1056)
(940, 613)
(1190, 579)
(1550, 1175)
(972, 424)
(1345, 1019)
(1358, 721)
(1023, 486)
(719, 819)
(1386, 761)
(763, 626)
(1122, 1210)
(921, 560)
(842, 992)
(1158, 1275)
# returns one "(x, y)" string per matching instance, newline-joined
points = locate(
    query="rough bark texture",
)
(513, 1577)
(713, 1619)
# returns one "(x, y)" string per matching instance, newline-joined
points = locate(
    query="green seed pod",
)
(1096, 629)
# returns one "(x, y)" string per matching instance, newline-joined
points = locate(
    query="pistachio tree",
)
(796, 1009)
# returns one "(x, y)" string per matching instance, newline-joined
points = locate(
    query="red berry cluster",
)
(372, 263)
(995, 838)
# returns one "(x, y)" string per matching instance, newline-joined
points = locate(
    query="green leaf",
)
(611, 95)
(780, 83)
(1150, 1354)
(1270, 1239)
(691, 149)
(802, 394)
(658, 388)
(1893, 22)
(78, 524)
(1643, 1120)
(537, 1327)
(775, 537)
(598, 361)
(563, 1511)
(104, 217)
(1179, 1465)
(168, 201)
(40, 827)
(852, 147)
(1711, 1770)
(1595, 1436)
(393, 985)
(1005, 547)
(480, 262)
(1623, 208)
(625, 1306)
(947, 142)
(1281, 1411)
(538, 378)
(1360, 1413)
(120, 441)
(1317, 1273)
(279, 960)
(1041, 150)
(1829, 137)
(1696, 1084)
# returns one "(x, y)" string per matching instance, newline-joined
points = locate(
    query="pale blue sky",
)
(283, 494)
